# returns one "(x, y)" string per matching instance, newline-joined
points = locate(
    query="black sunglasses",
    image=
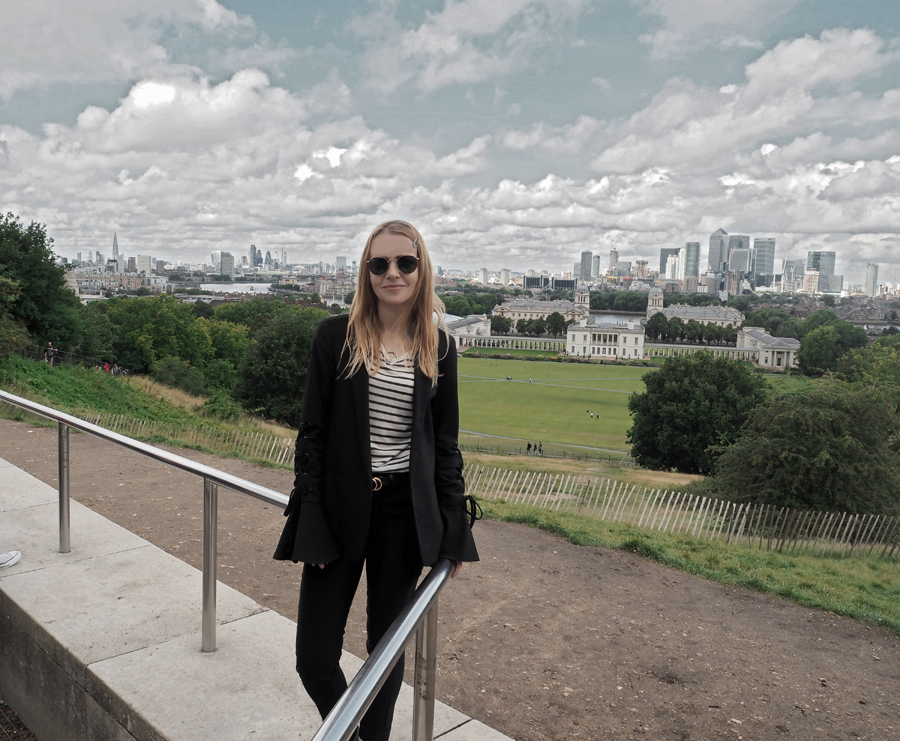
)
(405, 264)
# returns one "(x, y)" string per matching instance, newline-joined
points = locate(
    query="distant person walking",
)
(50, 354)
(540, 448)
(528, 449)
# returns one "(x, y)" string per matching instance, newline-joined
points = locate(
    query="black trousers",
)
(392, 567)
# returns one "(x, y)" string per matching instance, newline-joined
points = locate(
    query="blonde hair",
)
(363, 333)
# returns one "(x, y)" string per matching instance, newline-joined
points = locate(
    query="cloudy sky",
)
(514, 133)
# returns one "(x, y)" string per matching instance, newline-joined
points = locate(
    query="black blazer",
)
(328, 512)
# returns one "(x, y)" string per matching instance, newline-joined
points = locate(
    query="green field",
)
(547, 402)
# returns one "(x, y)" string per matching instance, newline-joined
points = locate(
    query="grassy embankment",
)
(83, 391)
(862, 588)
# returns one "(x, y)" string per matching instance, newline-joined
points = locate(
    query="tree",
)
(270, 381)
(44, 306)
(255, 314)
(656, 327)
(693, 331)
(876, 367)
(693, 407)
(151, 328)
(12, 333)
(712, 333)
(348, 298)
(501, 324)
(675, 330)
(821, 348)
(538, 327)
(556, 324)
(522, 326)
(630, 301)
(829, 447)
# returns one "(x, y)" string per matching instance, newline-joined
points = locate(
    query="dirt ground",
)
(542, 639)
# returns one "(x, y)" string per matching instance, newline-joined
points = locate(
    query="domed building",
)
(720, 315)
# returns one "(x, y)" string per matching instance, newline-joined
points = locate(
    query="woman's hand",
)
(457, 567)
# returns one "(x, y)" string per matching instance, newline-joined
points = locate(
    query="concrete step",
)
(104, 642)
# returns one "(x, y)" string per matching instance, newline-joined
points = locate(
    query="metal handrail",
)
(419, 615)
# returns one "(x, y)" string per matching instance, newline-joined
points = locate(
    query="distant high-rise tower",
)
(739, 261)
(504, 277)
(738, 242)
(226, 264)
(595, 267)
(821, 261)
(483, 276)
(763, 256)
(613, 260)
(664, 254)
(690, 259)
(871, 287)
(587, 259)
(718, 249)
(115, 245)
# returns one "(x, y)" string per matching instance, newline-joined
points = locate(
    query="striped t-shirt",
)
(391, 414)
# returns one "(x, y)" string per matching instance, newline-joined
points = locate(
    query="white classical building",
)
(721, 315)
(594, 338)
(772, 352)
(528, 308)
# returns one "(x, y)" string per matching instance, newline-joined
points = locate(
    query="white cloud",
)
(689, 126)
(44, 41)
(469, 41)
(688, 25)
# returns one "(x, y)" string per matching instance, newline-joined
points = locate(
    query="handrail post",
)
(426, 664)
(64, 529)
(210, 528)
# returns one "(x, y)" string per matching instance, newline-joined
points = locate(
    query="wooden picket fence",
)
(257, 446)
(754, 525)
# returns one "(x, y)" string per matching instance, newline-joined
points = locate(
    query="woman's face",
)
(394, 288)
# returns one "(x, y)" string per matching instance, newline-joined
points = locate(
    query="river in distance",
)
(259, 288)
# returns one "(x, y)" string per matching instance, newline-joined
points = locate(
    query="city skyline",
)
(523, 133)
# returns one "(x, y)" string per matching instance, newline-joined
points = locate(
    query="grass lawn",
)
(549, 402)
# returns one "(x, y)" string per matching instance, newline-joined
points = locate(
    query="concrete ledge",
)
(103, 643)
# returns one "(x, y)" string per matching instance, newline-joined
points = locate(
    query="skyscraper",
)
(763, 256)
(115, 252)
(718, 249)
(871, 286)
(226, 264)
(586, 262)
(595, 266)
(690, 259)
(739, 261)
(821, 261)
(738, 242)
(143, 264)
(613, 260)
(664, 254)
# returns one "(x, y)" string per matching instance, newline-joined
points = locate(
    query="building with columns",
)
(594, 338)
(527, 308)
(721, 315)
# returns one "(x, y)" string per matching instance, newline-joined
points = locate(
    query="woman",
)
(378, 473)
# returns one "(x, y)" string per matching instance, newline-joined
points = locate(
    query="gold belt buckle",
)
(377, 482)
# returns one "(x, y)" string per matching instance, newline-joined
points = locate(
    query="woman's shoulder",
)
(332, 327)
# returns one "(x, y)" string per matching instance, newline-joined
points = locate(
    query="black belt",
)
(382, 480)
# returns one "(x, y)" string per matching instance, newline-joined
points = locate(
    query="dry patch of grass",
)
(600, 469)
(174, 396)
